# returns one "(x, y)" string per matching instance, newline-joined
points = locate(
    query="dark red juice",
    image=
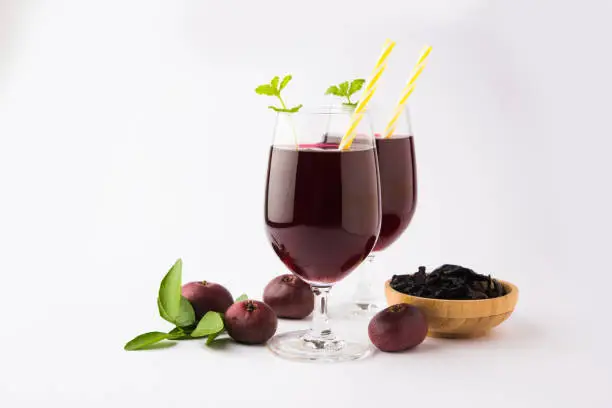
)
(398, 186)
(322, 209)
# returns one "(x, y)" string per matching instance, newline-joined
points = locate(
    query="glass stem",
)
(320, 321)
(364, 296)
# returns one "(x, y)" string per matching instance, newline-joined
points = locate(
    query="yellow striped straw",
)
(416, 71)
(370, 88)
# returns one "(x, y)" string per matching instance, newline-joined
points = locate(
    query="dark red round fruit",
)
(398, 327)
(289, 297)
(205, 296)
(250, 322)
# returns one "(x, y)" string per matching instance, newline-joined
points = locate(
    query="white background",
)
(130, 136)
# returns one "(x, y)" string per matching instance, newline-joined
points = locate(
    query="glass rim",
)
(339, 109)
(323, 110)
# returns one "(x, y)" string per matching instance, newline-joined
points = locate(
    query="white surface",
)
(130, 136)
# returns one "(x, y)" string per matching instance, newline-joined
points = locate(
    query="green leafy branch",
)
(274, 88)
(174, 308)
(346, 89)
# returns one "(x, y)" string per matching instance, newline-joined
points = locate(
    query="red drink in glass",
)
(398, 185)
(322, 209)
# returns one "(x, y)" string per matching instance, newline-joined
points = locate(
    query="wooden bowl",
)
(460, 318)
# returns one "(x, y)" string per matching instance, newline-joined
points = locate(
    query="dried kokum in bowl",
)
(451, 282)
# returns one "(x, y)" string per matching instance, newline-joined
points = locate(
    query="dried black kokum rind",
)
(452, 282)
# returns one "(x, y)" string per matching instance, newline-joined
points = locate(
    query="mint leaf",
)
(344, 87)
(274, 83)
(186, 316)
(284, 82)
(294, 109)
(242, 297)
(266, 90)
(286, 110)
(211, 322)
(144, 340)
(170, 292)
(333, 90)
(356, 85)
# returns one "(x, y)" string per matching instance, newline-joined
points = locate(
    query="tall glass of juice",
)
(398, 183)
(322, 215)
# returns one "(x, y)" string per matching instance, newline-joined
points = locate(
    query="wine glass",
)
(323, 215)
(398, 183)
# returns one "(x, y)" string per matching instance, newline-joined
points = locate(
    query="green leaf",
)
(274, 89)
(170, 291)
(266, 89)
(284, 82)
(274, 83)
(163, 313)
(212, 337)
(186, 316)
(144, 340)
(356, 85)
(333, 90)
(211, 322)
(344, 87)
(294, 109)
(242, 297)
(177, 334)
(180, 333)
(288, 110)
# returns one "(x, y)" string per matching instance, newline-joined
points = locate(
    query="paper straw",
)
(370, 88)
(408, 89)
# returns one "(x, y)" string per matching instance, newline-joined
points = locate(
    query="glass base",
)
(357, 310)
(298, 345)
(365, 308)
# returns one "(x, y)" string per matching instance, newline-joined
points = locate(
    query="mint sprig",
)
(274, 88)
(346, 89)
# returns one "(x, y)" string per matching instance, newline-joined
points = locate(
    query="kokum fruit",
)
(289, 297)
(398, 327)
(250, 322)
(206, 296)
